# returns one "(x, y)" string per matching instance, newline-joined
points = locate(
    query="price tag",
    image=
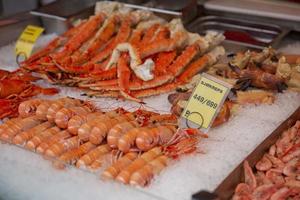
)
(205, 102)
(26, 41)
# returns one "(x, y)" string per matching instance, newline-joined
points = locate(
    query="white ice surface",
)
(24, 175)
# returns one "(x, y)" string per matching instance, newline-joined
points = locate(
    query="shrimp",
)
(77, 120)
(151, 137)
(7, 124)
(127, 140)
(41, 110)
(93, 155)
(59, 104)
(60, 147)
(19, 126)
(25, 136)
(249, 176)
(43, 136)
(28, 108)
(62, 135)
(125, 174)
(86, 128)
(112, 171)
(63, 116)
(264, 164)
(143, 176)
(101, 129)
(72, 155)
(116, 132)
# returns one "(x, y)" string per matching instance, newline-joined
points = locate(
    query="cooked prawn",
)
(23, 137)
(60, 147)
(43, 136)
(62, 135)
(93, 155)
(125, 174)
(112, 171)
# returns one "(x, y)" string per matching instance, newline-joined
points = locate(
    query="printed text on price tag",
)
(205, 101)
(27, 39)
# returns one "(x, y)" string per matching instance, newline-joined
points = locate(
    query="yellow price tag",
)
(205, 101)
(27, 39)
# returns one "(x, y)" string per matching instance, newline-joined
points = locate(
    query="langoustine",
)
(159, 144)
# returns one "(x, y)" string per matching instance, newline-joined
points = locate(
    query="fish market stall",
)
(96, 110)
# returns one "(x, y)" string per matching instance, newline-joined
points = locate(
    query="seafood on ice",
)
(255, 77)
(132, 147)
(125, 53)
(16, 87)
(277, 173)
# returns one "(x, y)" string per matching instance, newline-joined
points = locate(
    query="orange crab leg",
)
(54, 44)
(193, 68)
(136, 37)
(150, 33)
(85, 32)
(162, 61)
(163, 33)
(156, 91)
(100, 39)
(124, 73)
(163, 45)
(122, 36)
(183, 60)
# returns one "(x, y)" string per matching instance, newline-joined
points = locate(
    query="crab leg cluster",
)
(130, 54)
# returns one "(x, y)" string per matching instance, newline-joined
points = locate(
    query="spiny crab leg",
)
(52, 46)
(102, 36)
(124, 72)
(196, 66)
(122, 36)
(85, 32)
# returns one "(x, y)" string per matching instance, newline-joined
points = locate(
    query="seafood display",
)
(121, 52)
(276, 175)
(255, 77)
(16, 87)
(125, 53)
(132, 146)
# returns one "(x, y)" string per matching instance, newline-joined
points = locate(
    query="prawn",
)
(62, 135)
(112, 171)
(19, 126)
(59, 104)
(125, 174)
(43, 136)
(101, 129)
(63, 116)
(29, 107)
(72, 155)
(93, 155)
(60, 147)
(23, 137)
(77, 120)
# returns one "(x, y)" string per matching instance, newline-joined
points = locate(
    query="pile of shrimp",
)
(132, 147)
(277, 173)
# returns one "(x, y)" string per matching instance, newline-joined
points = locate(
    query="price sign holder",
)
(205, 102)
(26, 42)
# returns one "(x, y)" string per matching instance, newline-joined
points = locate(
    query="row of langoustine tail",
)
(134, 145)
